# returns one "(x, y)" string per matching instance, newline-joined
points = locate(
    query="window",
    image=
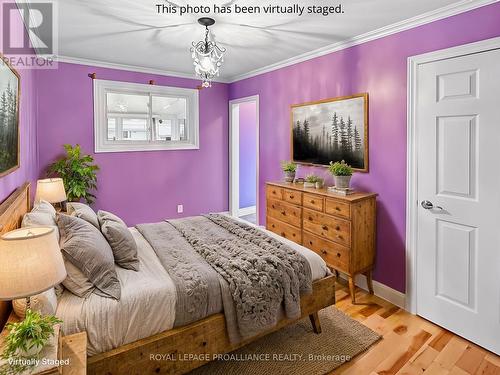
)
(137, 117)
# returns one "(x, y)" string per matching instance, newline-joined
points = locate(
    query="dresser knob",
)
(338, 254)
(337, 208)
(324, 227)
(312, 201)
(310, 242)
(291, 196)
(337, 228)
(273, 226)
(339, 237)
(324, 252)
(310, 218)
(273, 206)
(283, 213)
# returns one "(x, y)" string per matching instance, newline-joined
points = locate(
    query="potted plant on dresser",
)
(289, 168)
(342, 173)
(313, 181)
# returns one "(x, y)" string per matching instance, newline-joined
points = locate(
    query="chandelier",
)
(207, 55)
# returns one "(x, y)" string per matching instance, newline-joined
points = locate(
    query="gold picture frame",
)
(8, 161)
(314, 141)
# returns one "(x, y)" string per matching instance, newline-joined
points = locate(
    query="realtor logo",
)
(29, 37)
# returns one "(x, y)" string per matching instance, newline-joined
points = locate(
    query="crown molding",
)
(422, 19)
(130, 68)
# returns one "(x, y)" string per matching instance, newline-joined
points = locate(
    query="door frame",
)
(234, 150)
(412, 157)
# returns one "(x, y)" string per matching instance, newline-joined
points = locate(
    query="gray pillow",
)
(82, 211)
(76, 282)
(108, 216)
(120, 239)
(85, 247)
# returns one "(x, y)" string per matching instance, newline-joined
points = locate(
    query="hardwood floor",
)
(410, 345)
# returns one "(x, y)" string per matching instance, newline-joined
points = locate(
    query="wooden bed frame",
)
(191, 346)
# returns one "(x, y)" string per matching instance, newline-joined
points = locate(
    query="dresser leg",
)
(352, 289)
(369, 281)
(315, 322)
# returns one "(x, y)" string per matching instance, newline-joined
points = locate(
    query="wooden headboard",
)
(11, 215)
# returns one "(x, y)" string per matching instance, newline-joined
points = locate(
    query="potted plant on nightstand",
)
(289, 168)
(25, 341)
(342, 173)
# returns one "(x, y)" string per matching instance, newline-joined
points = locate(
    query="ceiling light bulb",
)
(207, 55)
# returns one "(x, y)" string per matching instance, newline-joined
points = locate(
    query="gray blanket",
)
(258, 275)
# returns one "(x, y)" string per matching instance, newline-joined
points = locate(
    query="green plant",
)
(313, 179)
(340, 169)
(78, 173)
(34, 331)
(288, 166)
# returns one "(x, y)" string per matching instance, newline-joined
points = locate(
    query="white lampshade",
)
(30, 262)
(50, 190)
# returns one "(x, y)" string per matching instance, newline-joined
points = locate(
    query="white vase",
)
(289, 176)
(31, 352)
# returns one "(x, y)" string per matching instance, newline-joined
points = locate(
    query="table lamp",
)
(31, 263)
(50, 190)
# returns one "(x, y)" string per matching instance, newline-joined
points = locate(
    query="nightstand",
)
(73, 351)
(74, 348)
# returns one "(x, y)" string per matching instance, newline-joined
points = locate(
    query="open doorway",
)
(244, 158)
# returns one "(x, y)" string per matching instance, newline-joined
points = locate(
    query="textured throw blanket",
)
(258, 275)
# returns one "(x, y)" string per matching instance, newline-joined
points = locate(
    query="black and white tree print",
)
(331, 131)
(8, 120)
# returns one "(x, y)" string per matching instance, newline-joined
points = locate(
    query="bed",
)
(120, 342)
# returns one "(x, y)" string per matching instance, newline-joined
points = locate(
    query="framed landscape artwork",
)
(9, 119)
(331, 130)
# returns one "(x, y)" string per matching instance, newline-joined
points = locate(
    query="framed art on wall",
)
(331, 130)
(9, 118)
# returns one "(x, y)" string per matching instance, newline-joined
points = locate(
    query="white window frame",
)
(101, 142)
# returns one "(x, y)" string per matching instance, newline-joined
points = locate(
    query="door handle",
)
(428, 205)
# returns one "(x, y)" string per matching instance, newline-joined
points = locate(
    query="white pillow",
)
(45, 303)
(44, 206)
(43, 214)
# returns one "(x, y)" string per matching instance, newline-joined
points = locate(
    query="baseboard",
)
(247, 211)
(381, 290)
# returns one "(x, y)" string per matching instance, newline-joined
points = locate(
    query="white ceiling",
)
(130, 32)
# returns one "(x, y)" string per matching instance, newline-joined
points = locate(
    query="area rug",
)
(297, 349)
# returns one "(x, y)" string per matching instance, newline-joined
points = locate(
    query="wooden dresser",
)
(340, 229)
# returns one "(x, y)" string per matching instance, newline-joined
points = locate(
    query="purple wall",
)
(379, 68)
(138, 186)
(27, 128)
(248, 154)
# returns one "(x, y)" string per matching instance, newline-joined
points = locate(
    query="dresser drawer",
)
(285, 212)
(274, 192)
(284, 230)
(330, 227)
(335, 207)
(335, 255)
(292, 196)
(313, 201)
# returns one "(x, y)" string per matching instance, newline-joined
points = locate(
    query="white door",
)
(458, 151)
